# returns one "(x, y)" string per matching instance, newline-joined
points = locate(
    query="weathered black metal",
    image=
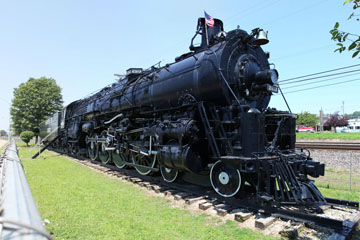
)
(342, 202)
(209, 106)
(45, 147)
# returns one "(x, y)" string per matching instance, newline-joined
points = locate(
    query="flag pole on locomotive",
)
(209, 21)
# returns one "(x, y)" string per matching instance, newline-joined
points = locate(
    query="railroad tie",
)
(181, 195)
(223, 209)
(263, 223)
(190, 200)
(205, 205)
(241, 215)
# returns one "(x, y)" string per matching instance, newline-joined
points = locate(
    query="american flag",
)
(209, 20)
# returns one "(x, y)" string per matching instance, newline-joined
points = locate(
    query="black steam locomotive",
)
(204, 115)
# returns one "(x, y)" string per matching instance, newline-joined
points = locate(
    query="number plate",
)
(274, 89)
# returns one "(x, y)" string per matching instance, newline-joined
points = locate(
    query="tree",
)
(306, 118)
(341, 36)
(26, 136)
(355, 114)
(335, 120)
(3, 133)
(33, 102)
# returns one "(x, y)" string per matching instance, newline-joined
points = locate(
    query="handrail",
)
(38, 144)
(20, 218)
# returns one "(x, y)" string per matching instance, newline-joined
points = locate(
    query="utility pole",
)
(343, 108)
(321, 120)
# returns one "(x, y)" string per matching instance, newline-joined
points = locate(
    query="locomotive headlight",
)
(269, 76)
(274, 76)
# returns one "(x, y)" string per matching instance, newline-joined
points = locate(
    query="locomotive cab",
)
(213, 34)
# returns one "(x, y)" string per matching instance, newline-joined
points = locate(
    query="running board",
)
(45, 147)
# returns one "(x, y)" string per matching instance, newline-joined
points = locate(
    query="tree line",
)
(333, 120)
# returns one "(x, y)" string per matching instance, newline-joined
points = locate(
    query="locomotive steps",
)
(200, 201)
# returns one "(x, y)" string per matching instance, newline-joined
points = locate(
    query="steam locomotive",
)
(204, 115)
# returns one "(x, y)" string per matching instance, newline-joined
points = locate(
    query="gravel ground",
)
(338, 159)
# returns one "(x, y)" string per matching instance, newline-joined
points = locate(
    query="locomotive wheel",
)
(169, 174)
(225, 179)
(69, 148)
(119, 159)
(104, 155)
(93, 150)
(143, 160)
(75, 150)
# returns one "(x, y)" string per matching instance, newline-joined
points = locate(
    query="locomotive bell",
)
(261, 38)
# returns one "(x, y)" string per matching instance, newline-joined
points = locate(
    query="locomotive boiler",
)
(204, 115)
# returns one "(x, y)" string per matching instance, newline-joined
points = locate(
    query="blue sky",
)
(82, 43)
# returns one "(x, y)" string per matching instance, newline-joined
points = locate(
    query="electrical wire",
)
(313, 74)
(302, 85)
(329, 75)
(321, 86)
(255, 8)
(299, 53)
(293, 13)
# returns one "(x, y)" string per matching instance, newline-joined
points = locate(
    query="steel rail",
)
(329, 145)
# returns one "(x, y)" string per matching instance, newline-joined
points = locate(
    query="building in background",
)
(354, 125)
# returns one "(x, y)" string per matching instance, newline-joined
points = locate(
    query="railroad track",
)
(338, 220)
(329, 145)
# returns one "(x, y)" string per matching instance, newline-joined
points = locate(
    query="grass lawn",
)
(83, 204)
(336, 184)
(329, 135)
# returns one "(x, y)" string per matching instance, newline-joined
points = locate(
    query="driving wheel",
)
(119, 159)
(169, 174)
(104, 155)
(142, 160)
(225, 179)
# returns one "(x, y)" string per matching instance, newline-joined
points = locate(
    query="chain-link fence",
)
(342, 169)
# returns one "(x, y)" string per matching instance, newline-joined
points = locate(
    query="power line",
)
(313, 74)
(352, 80)
(301, 85)
(293, 13)
(255, 7)
(295, 54)
(329, 75)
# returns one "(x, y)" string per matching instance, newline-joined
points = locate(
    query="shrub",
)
(26, 136)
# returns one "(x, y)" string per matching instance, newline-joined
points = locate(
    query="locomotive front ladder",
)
(208, 131)
(214, 130)
(219, 131)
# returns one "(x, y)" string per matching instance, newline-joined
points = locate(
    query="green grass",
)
(336, 184)
(83, 204)
(328, 135)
